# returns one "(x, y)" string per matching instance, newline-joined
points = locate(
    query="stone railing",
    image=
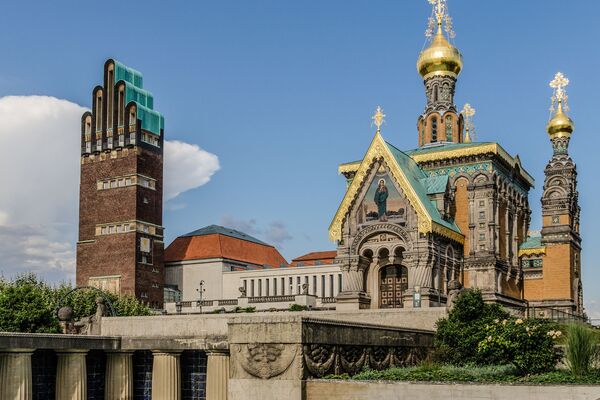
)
(227, 302)
(272, 355)
(271, 299)
(328, 300)
(332, 347)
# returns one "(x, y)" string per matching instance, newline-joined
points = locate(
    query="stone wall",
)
(344, 390)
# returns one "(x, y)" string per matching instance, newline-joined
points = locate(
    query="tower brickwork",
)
(556, 276)
(120, 246)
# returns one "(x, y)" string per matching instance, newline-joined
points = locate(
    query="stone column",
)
(15, 374)
(166, 376)
(119, 376)
(217, 375)
(71, 375)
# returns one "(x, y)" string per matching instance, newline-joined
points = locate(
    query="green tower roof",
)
(152, 120)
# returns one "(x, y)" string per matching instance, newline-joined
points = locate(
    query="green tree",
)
(28, 304)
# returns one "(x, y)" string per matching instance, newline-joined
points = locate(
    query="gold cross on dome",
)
(439, 16)
(559, 83)
(378, 118)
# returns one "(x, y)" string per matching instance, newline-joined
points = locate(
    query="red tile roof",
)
(315, 258)
(223, 246)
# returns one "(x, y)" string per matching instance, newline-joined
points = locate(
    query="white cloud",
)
(242, 225)
(187, 166)
(39, 181)
(277, 233)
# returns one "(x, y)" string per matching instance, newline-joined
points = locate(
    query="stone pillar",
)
(119, 376)
(217, 375)
(15, 374)
(71, 375)
(166, 376)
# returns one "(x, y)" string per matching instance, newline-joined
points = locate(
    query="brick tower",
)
(560, 213)
(120, 246)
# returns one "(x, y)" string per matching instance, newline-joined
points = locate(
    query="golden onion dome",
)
(560, 125)
(440, 58)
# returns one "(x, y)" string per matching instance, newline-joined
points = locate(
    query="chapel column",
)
(71, 375)
(217, 375)
(119, 376)
(166, 376)
(15, 374)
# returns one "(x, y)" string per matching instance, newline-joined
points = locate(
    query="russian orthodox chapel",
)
(415, 225)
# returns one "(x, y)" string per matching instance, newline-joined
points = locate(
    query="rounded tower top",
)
(560, 125)
(440, 58)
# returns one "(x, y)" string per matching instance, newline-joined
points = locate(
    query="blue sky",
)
(282, 91)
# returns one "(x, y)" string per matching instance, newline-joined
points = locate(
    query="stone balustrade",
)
(121, 375)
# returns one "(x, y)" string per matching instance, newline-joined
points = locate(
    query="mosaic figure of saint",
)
(381, 195)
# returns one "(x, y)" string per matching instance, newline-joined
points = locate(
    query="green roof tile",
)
(532, 242)
(416, 177)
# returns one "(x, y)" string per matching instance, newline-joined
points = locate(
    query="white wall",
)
(258, 281)
(221, 283)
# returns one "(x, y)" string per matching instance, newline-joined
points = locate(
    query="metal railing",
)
(554, 314)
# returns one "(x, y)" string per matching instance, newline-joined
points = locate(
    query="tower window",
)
(434, 123)
(449, 128)
(555, 220)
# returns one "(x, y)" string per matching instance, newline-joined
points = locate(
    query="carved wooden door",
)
(393, 282)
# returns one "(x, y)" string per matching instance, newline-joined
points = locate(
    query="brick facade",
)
(120, 245)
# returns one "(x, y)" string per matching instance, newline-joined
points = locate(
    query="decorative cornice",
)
(533, 251)
(348, 167)
(493, 148)
(448, 233)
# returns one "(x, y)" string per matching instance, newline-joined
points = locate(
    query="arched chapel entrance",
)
(393, 283)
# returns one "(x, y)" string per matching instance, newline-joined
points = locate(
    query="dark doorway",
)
(393, 282)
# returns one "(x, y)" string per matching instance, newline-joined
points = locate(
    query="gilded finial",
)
(560, 125)
(559, 97)
(439, 17)
(468, 112)
(378, 118)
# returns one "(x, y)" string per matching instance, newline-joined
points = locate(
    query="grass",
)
(429, 372)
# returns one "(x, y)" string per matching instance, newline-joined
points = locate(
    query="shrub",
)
(527, 344)
(581, 350)
(457, 336)
(298, 307)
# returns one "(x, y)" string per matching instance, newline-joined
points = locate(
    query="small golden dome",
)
(560, 125)
(440, 58)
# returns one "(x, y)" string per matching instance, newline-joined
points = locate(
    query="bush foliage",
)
(484, 334)
(457, 337)
(28, 304)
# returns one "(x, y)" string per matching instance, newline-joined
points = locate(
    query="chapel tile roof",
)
(219, 242)
(315, 258)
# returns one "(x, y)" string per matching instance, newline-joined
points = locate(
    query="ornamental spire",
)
(468, 112)
(560, 127)
(559, 97)
(440, 18)
(378, 118)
